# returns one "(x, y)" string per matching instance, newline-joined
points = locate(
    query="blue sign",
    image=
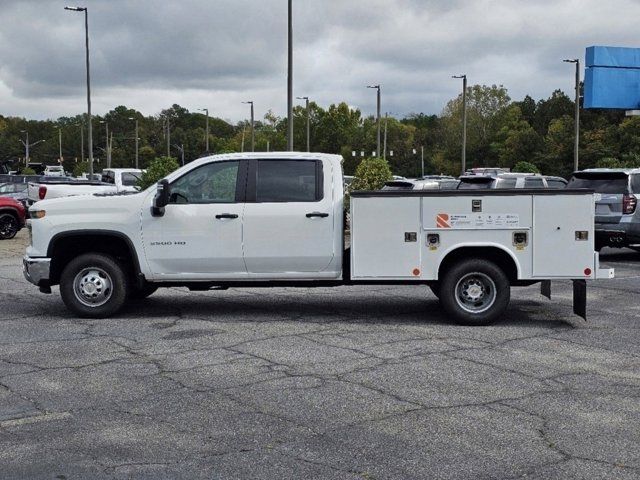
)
(612, 78)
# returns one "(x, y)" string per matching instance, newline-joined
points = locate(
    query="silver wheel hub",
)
(476, 292)
(93, 287)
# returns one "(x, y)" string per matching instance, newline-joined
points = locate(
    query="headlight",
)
(37, 213)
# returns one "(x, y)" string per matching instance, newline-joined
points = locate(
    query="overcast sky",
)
(149, 54)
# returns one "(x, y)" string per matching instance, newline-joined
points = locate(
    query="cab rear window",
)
(601, 183)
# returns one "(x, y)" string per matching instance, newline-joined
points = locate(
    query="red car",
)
(12, 217)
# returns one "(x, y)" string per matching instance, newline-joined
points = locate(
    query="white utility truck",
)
(277, 219)
(114, 180)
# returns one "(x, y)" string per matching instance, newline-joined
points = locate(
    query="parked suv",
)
(12, 217)
(617, 218)
(510, 180)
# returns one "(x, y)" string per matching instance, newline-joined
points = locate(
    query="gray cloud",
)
(149, 54)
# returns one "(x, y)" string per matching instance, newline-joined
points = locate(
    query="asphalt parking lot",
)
(362, 383)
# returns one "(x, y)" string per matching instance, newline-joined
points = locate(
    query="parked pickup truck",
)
(114, 180)
(277, 219)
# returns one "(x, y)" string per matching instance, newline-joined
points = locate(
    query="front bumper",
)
(36, 270)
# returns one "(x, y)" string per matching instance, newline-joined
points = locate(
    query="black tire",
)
(94, 285)
(142, 293)
(9, 226)
(475, 292)
(435, 289)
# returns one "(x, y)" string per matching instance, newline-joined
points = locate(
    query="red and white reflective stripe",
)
(442, 220)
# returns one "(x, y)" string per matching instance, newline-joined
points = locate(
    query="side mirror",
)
(161, 199)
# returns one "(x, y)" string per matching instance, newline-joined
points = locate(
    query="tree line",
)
(500, 132)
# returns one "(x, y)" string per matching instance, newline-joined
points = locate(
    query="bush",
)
(158, 169)
(80, 168)
(28, 171)
(371, 174)
(525, 167)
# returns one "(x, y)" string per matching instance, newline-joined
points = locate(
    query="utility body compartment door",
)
(557, 251)
(385, 238)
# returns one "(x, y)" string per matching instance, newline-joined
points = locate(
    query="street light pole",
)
(577, 114)
(206, 138)
(137, 139)
(377, 87)
(290, 80)
(464, 121)
(108, 149)
(253, 136)
(60, 144)
(168, 135)
(86, 32)
(384, 147)
(82, 142)
(306, 99)
(27, 146)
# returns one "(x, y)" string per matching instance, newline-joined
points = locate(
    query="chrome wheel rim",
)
(93, 287)
(476, 292)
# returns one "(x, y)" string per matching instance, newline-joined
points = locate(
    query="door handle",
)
(226, 215)
(317, 214)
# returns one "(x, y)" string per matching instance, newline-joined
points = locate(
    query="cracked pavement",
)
(343, 383)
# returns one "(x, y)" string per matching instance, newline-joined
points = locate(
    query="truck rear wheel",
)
(475, 292)
(93, 285)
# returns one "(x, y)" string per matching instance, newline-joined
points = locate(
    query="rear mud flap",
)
(545, 288)
(580, 298)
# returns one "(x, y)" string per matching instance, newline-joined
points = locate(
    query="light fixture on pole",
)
(137, 139)
(577, 113)
(253, 136)
(377, 87)
(206, 134)
(306, 99)
(464, 120)
(86, 32)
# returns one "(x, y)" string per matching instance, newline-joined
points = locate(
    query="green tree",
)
(371, 174)
(525, 167)
(609, 162)
(158, 169)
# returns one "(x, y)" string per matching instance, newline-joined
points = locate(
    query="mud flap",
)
(545, 288)
(580, 298)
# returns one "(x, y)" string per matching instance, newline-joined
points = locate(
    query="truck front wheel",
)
(475, 292)
(93, 285)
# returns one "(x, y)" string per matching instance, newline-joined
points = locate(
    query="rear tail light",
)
(42, 191)
(629, 203)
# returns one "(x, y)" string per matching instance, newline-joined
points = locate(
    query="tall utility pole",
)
(464, 121)
(384, 146)
(60, 144)
(108, 149)
(422, 158)
(290, 80)
(137, 139)
(86, 33)
(306, 99)
(577, 114)
(253, 133)
(168, 135)
(377, 87)
(206, 134)
(82, 142)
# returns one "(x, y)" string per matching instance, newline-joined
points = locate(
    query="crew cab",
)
(114, 180)
(277, 219)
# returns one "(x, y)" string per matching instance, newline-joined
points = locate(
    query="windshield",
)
(601, 183)
(475, 183)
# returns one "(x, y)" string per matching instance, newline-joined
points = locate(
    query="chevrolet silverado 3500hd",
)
(277, 219)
